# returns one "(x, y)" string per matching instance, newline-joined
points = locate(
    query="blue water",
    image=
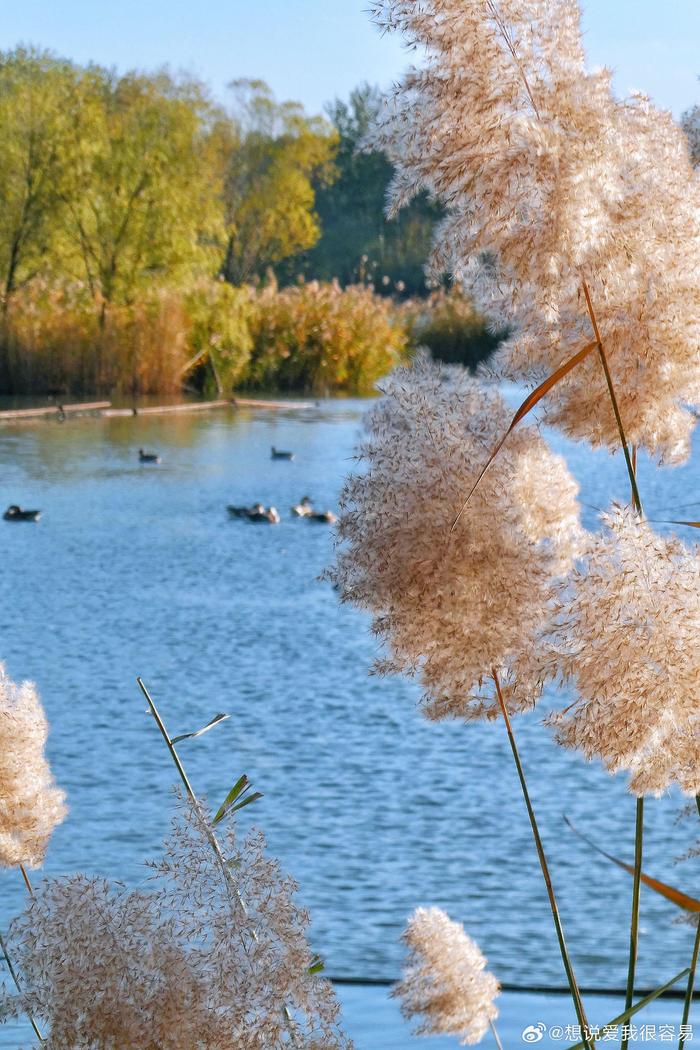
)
(137, 570)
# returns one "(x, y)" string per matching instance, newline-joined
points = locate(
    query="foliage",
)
(54, 342)
(142, 197)
(319, 337)
(273, 163)
(358, 241)
(220, 329)
(36, 116)
(447, 324)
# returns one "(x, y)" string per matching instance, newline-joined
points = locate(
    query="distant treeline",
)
(144, 226)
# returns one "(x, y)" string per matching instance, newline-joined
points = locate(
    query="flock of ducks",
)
(258, 512)
(303, 509)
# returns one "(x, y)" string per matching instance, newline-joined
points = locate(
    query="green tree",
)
(144, 204)
(37, 93)
(277, 157)
(358, 241)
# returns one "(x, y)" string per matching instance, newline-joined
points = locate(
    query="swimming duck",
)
(245, 512)
(15, 513)
(271, 515)
(325, 517)
(303, 508)
(148, 457)
(277, 453)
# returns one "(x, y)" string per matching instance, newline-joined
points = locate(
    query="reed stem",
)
(568, 967)
(27, 883)
(616, 408)
(687, 1002)
(634, 923)
(496, 1036)
(15, 978)
(228, 878)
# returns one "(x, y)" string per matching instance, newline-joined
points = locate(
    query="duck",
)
(271, 515)
(15, 513)
(303, 508)
(258, 512)
(277, 453)
(148, 457)
(324, 517)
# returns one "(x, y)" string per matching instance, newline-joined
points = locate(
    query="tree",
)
(277, 158)
(144, 203)
(358, 241)
(37, 92)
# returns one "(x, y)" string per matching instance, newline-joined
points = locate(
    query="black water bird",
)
(277, 453)
(323, 517)
(148, 457)
(15, 513)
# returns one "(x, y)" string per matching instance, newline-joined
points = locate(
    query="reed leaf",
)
(626, 1014)
(528, 404)
(216, 720)
(236, 799)
(682, 900)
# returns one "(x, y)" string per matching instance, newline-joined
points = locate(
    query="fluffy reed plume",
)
(177, 967)
(31, 805)
(445, 981)
(627, 634)
(549, 180)
(453, 604)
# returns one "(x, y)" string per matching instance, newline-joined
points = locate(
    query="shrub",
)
(220, 323)
(449, 326)
(318, 337)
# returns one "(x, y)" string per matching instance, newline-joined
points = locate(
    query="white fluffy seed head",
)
(31, 805)
(627, 636)
(204, 958)
(445, 981)
(452, 604)
(550, 181)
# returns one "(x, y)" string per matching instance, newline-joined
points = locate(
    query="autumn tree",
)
(277, 156)
(37, 112)
(143, 207)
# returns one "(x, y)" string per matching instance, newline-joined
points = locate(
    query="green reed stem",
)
(631, 461)
(687, 1002)
(228, 879)
(568, 967)
(634, 924)
(616, 408)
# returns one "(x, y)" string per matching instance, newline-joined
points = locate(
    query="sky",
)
(315, 50)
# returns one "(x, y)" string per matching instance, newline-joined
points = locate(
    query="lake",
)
(138, 570)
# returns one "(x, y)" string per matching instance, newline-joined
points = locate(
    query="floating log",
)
(104, 408)
(157, 410)
(246, 402)
(18, 414)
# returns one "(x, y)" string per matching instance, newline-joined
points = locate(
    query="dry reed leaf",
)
(528, 404)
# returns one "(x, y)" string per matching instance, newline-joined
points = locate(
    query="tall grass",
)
(56, 338)
(321, 338)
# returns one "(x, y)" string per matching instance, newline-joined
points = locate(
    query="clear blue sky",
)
(313, 50)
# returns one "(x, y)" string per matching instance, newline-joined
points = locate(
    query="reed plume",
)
(626, 634)
(549, 180)
(445, 981)
(175, 967)
(31, 805)
(452, 604)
